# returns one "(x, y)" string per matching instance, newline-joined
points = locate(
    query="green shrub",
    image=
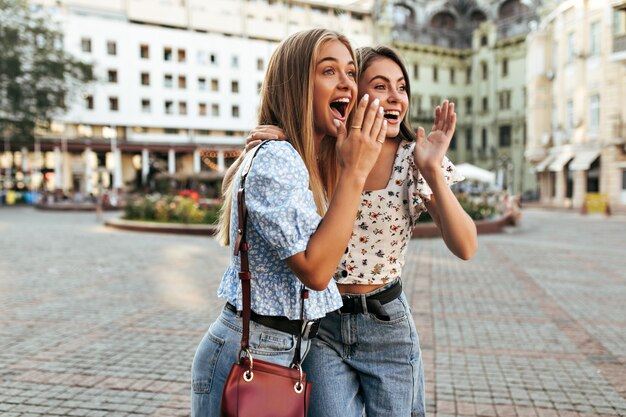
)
(170, 209)
(477, 210)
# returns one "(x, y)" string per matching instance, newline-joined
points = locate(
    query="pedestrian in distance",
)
(309, 91)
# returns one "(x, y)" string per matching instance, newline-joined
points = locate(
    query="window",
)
(213, 59)
(215, 85)
(571, 48)
(89, 102)
(468, 75)
(505, 136)
(202, 109)
(468, 138)
(234, 86)
(485, 104)
(85, 44)
(168, 81)
(468, 105)
(570, 115)
(182, 82)
(417, 105)
(434, 101)
(145, 105)
(505, 99)
(234, 62)
(145, 78)
(416, 71)
(167, 54)
(169, 107)
(452, 76)
(112, 76)
(483, 140)
(215, 110)
(171, 131)
(201, 57)
(505, 67)
(201, 83)
(235, 111)
(594, 112)
(484, 70)
(144, 51)
(111, 48)
(259, 85)
(182, 55)
(182, 107)
(483, 40)
(594, 39)
(435, 73)
(260, 64)
(113, 104)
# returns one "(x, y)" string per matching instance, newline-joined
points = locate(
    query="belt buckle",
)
(310, 328)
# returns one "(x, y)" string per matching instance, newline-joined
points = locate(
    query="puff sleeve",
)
(280, 203)
(419, 190)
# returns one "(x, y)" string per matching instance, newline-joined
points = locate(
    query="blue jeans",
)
(359, 362)
(218, 351)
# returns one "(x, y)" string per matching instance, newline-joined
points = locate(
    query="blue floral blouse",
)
(281, 218)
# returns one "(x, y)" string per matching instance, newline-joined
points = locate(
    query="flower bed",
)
(171, 209)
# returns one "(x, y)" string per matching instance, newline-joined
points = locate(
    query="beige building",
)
(473, 53)
(577, 106)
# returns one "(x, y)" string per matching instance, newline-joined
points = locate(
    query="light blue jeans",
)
(218, 351)
(359, 362)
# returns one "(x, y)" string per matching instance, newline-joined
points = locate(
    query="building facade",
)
(177, 87)
(472, 53)
(576, 108)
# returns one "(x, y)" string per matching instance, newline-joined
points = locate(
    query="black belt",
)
(352, 304)
(308, 329)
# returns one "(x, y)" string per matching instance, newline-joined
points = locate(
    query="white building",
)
(177, 84)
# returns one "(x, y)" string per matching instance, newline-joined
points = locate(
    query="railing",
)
(619, 43)
(515, 25)
(432, 36)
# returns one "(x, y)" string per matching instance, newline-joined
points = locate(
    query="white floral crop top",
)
(385, 220)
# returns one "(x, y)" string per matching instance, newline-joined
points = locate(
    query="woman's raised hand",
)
(429, 152)
(358, 150)
(261, 133)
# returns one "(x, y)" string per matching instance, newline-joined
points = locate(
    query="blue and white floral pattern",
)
(281, 218)
(385, 220)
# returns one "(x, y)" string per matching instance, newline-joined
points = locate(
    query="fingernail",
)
(375, 103)
(384, 123)
(336, 122)
(366, 97)
(381, 110)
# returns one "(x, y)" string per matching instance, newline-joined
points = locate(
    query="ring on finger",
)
(355, 127)
(380, 140)
(252, 135)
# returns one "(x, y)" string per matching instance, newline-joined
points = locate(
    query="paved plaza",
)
(101, 322)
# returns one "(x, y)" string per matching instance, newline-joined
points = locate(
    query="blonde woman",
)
(309, 91)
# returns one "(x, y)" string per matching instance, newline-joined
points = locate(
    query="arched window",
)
(443, 20)
(511, 8)
(403, 15)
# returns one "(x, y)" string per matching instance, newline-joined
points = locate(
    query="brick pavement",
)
(98, 322)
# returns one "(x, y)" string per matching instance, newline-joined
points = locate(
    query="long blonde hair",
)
(287, 102)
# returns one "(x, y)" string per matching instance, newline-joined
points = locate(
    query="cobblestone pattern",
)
(98, 322)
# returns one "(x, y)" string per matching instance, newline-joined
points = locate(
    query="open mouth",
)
(340, 107)
(392, 115)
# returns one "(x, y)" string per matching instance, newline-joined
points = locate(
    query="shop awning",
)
(583, 160)
(541, 166)
(560, 161)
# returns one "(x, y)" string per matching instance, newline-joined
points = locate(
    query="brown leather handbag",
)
(255, 387)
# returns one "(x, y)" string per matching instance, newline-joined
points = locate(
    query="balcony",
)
(518, 24)
(446, 38)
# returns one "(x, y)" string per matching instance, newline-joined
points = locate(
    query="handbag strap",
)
(241, 249)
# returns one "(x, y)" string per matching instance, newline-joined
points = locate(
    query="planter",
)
(429, 230)
(155, 227)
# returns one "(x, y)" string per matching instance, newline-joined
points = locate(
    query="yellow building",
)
(576, 109)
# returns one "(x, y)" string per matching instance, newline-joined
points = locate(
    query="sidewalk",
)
(100, 322)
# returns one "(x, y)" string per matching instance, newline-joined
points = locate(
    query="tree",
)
(36, 73)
